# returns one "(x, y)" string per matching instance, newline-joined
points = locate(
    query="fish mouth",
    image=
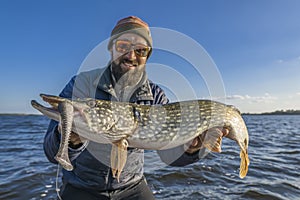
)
(51, 112)
(52, 100)
(79, 118)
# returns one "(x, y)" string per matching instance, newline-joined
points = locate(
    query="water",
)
(273, 173)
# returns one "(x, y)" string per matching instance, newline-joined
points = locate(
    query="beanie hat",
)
(131, 24)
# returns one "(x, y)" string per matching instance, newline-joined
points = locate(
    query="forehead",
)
(133, 38)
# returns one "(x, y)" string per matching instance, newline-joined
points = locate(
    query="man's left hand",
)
(211, 139)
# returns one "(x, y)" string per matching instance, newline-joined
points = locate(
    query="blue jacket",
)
(91, 161)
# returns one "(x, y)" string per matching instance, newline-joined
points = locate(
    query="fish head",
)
(111, 120)
(114, 120)
(97, 114)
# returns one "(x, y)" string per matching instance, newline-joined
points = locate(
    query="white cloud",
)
(266, 98)
(263, 103)
(289, 62)
(233, 97)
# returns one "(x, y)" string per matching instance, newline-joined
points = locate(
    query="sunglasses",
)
(123, 46)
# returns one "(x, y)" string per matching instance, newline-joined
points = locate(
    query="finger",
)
(195, 142)
(225, 132)
(193, 145)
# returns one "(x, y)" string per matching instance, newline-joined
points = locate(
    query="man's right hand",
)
(75, 140)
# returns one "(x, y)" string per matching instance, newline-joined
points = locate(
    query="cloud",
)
(289, 62)
(233, 97)
(267, 98)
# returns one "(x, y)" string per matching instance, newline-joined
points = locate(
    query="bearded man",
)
(124, 79)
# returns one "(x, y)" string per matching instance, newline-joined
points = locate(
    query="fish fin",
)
(213, 141)
(113, 159)
(244, 163)
(64, 162)
(217, 146)
(66, 118)
(122, 156)
(118, 157)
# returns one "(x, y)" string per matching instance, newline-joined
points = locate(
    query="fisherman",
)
(124, 79)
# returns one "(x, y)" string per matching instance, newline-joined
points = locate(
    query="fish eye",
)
(91, 103)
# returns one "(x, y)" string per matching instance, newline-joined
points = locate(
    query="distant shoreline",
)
(277, 112)
(19, 114)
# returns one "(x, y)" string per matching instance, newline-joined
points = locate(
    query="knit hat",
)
(131, 24)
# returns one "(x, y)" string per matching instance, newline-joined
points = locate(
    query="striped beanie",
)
(131, 24)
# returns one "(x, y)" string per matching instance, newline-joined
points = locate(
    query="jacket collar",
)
(104, 82)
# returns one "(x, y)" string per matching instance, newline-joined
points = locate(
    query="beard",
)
(127, 76)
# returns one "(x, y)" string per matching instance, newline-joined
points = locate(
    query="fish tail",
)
(244, 163)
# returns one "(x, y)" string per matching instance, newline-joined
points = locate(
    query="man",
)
(124, 79)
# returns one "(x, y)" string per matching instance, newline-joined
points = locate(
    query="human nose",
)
(131, 54)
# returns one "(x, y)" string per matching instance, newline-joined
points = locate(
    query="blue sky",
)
(255, 46)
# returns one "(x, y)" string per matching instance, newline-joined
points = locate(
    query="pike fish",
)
(154, 127)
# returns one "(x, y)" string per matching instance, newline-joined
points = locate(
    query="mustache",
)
(132, 62)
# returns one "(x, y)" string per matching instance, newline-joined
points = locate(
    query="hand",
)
(211, 139)
(75, 140)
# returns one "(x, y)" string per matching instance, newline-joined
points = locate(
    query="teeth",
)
(128, 63)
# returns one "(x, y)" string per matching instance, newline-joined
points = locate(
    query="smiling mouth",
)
(129, 64)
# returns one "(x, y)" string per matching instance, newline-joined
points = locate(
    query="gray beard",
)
(127, 82)
(128, 78)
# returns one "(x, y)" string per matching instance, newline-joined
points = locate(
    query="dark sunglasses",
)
(123, 46)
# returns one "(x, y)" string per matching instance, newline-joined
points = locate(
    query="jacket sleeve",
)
(52, 137)
(175, 156)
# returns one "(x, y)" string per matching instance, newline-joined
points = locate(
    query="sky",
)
(247, 53)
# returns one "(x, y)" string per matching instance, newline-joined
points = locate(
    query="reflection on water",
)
(273, 172)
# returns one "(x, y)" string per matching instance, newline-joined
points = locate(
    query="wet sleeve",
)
(52, 137)
(175, 156)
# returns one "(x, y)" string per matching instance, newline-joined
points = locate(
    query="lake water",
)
(274, 152)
